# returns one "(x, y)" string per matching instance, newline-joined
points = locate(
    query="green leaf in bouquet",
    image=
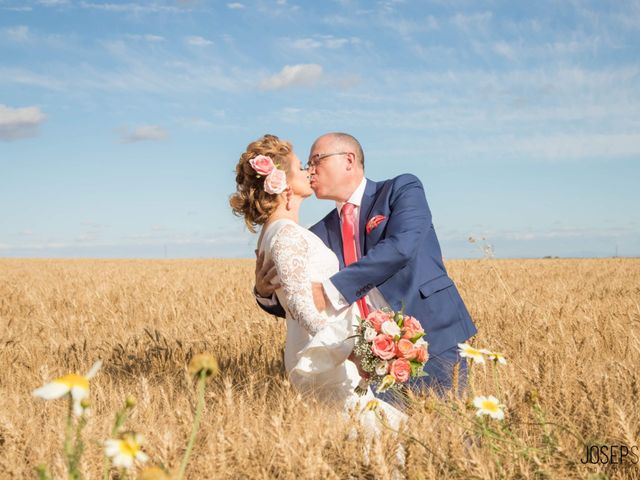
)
(417, 336)
(416, 368)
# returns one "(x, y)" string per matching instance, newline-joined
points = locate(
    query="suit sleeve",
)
(409, 222)
(271, 305)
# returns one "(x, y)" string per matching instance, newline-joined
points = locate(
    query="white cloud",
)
(321, 41)
(294, 76)
(143, 133)
(406, 28)
(474, 21)
(236, 6)
(53, 3)
(18, 34)
(146, 38)
(558, 232)
(578, 146)
(505, 50)
(306, 44)
(19, 122)
(133, 7)
(197, 41)
(17, 9)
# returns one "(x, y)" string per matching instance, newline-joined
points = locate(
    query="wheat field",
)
(568, 328)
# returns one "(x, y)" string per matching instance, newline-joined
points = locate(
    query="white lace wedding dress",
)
(317, 344)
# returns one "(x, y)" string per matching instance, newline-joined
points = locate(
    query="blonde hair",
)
(251, 201)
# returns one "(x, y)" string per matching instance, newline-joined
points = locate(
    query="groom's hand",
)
(265, 272)
(318, 296)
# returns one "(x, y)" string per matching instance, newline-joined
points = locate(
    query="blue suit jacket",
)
(402, 258)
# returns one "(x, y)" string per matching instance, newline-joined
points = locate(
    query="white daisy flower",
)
(466, 350)
(72, 384)
(489, 406)
(497, 357)
(123, 452)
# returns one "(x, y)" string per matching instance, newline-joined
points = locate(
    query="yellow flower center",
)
(129, 446)
(472, 351)
(73, 380)
(490, 406)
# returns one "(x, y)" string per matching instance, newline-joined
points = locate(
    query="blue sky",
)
(121, 122)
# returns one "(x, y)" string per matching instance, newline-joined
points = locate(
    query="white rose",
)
(391, 328)
(369, 334)
(382, 368)
(421, 342)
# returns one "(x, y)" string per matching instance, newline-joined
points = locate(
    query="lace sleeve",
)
(290, 253)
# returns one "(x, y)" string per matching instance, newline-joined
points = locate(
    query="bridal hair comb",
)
(275, 181)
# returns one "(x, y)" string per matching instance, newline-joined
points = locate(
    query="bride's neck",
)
(281, 211)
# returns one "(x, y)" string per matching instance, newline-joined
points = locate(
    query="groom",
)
(388, 251)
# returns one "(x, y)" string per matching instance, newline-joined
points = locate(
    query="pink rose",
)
(262, 164)
(401, 370)
(276, 181)
(421, 354)
(406, 349)
(411, 326)
(377, 318)
(384, 347)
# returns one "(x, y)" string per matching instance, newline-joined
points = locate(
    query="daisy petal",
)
(51, 391)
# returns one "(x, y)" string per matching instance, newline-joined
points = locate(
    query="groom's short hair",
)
(351, 141)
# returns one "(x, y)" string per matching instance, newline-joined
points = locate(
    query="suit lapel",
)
(365, 210)
(335, 236)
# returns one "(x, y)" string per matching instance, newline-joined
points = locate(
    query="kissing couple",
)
(377, 249)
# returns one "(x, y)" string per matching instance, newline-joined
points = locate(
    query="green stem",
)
(121, 417)
(196, 424)
(69, 450)
(43, 472)
(78, 448)
(496, 380)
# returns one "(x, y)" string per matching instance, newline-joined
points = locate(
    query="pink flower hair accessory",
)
(275, 181)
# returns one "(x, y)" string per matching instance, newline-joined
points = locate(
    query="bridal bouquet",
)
(391, 348)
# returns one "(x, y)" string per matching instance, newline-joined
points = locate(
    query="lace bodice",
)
(300, 258)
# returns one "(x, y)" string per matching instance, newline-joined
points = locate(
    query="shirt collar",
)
(356, 196)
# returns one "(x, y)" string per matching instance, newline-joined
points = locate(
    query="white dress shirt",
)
(374, 298)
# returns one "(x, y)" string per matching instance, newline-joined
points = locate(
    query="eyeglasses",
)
(314, 160)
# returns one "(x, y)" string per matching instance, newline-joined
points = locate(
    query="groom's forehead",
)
(321, 144)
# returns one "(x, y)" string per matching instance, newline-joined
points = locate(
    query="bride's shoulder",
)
(283, 230)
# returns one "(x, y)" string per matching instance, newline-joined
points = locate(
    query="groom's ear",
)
(351, 160)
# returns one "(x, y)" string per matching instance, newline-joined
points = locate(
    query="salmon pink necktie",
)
(349, 246)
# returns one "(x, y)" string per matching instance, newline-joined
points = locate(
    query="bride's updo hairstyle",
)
(251, 201)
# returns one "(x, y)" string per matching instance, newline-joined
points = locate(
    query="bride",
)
(271, 185)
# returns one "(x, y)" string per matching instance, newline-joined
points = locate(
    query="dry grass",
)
(569, 329)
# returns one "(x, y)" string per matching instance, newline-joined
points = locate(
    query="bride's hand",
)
(318, 296)
(265, 272)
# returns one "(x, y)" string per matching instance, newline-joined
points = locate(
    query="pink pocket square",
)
(374, 222)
